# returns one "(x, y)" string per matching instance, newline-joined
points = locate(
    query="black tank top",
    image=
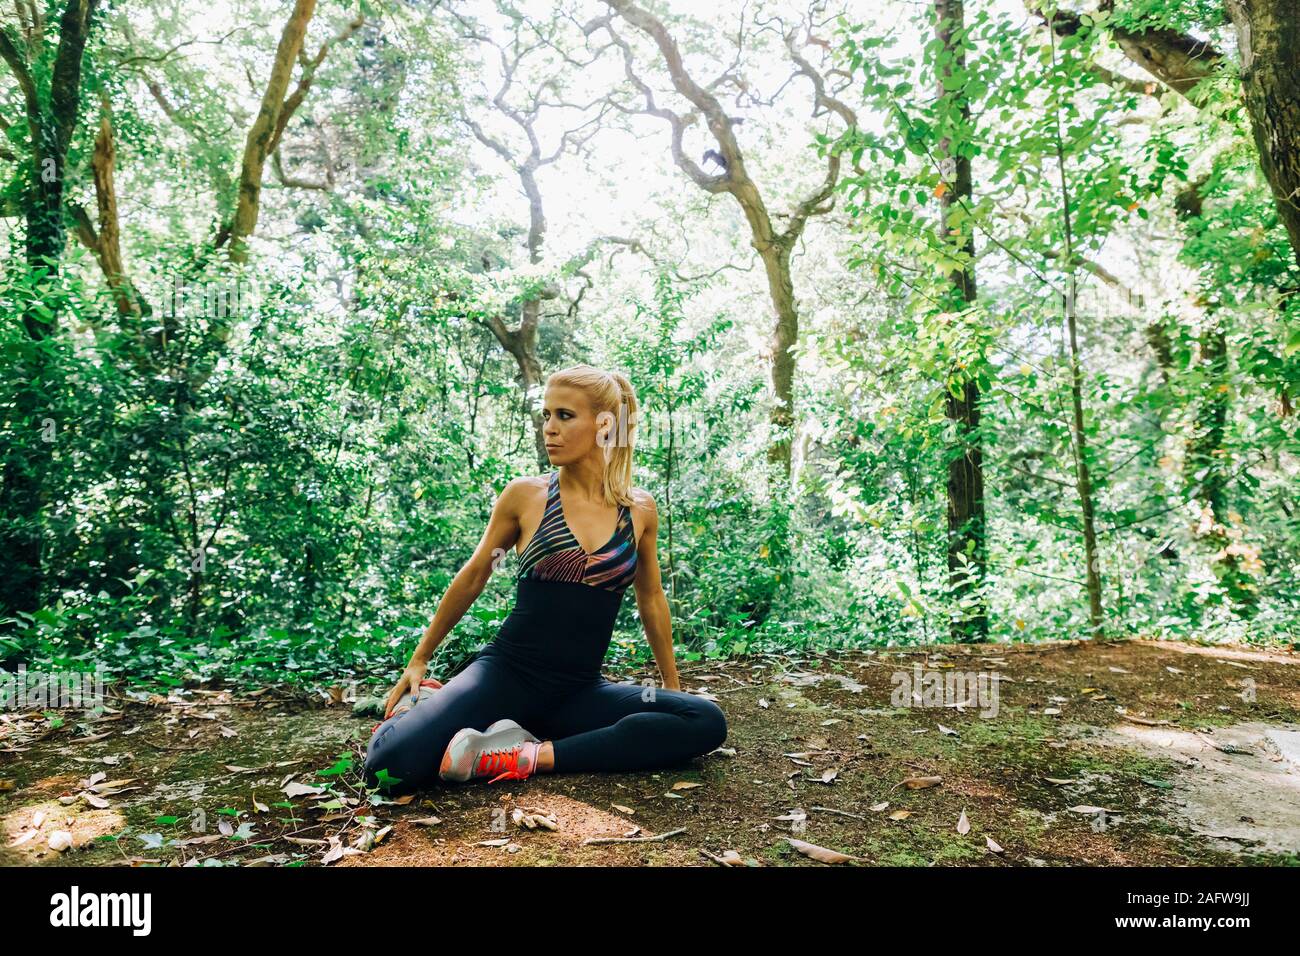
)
(566, 600)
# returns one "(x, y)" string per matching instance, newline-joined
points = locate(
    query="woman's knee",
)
(713, 724)
(403, 755)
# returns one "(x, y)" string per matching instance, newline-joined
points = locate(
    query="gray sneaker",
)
(503, 751)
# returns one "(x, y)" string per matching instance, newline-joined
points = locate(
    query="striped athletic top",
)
(553, 553)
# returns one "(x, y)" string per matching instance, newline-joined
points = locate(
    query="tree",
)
(52, 112)
(967, 548)
(775, 246)
(1268, 43)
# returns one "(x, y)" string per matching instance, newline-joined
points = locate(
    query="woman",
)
(534, 701)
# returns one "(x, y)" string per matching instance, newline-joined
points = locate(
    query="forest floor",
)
(1112, 753)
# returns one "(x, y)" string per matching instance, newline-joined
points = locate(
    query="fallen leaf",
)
(819, 853)
(920, 783)
(963, 825)
(296, 789)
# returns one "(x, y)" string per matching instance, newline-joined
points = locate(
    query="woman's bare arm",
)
(500, 535)
(651, 602)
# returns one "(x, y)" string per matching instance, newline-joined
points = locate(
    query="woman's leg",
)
(411, 744)
(608, 726)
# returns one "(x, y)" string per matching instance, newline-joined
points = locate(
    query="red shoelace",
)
(506, 761)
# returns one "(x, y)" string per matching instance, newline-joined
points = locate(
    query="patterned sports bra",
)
(553, 553)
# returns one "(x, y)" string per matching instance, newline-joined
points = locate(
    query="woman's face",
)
(569, 425)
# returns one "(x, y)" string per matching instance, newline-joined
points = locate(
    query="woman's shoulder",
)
(528, 481)
(642, 500)
(524, 489)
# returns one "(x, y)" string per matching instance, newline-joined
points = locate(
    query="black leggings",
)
(596, 725)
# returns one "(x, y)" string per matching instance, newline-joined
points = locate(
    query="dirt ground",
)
(1079, 753)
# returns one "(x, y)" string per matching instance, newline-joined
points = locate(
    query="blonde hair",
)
(611, 395)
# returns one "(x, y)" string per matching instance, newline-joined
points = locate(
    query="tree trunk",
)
(1083, 479)
(266, 128)
(51, 123)
(967, 547)
(1268, 37)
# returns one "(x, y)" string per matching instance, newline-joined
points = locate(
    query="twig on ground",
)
(650, 839)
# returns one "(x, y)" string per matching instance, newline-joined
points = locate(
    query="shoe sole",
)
(457, 759)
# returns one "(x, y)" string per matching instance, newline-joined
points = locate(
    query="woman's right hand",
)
(408, 683)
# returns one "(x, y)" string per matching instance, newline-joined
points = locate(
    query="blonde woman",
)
(533, 700)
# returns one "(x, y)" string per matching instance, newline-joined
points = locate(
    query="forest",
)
(956, 325)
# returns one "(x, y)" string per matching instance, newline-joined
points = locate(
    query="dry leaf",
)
(992, 845)
(920, 783)
(296, 789)
(900, 815)
(963, 825)
(819, 853)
